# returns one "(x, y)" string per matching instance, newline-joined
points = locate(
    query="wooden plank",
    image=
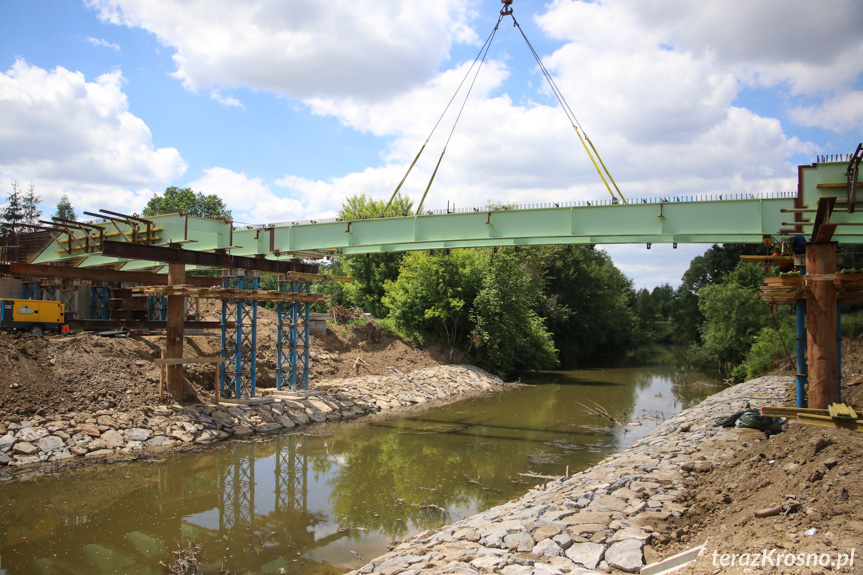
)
(771, 411)
(841, 411)
(186, 360)
(827, 421)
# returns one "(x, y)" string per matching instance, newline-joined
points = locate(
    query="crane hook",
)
(507, 7)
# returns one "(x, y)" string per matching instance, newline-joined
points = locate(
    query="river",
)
(329, 500)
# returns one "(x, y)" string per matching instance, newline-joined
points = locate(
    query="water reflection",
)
(318, 504)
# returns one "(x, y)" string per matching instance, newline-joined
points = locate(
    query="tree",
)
(185, 200)
(65, 211)
(508, 334)
(371, 272)
(30, 207)
(433, 295)
(588, 301)
(12, 215)
(709, 269)
(734, 314)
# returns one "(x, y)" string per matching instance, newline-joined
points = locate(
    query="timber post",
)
(821, 320)
(174, 333)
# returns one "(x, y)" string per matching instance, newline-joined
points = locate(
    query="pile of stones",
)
(600, 520)
(106, 433)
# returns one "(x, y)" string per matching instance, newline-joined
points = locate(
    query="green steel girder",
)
(719, 220)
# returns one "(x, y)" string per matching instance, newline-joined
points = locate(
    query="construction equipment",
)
(34, 316)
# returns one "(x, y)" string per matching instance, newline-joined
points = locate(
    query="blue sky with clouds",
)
(285, 108)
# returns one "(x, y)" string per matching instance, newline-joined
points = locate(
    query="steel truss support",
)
(67, 295)
(239, 343)
(292, 469)
(99, 296)
(157, 308)
(292, 338)
(237, 487)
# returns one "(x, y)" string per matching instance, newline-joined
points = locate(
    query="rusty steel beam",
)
(207, 259)
(102, 275)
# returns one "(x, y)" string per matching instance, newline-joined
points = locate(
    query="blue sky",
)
(285, 108)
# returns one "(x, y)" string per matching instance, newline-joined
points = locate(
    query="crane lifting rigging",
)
(474, 69)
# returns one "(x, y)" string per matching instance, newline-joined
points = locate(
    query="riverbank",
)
(686, 483)
(49, 442)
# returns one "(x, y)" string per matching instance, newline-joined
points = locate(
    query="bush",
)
(767, 348)
(852, 325)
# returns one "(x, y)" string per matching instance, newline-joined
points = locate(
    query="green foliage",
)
(509, 335)
(734, 314)
(769, 347)
(336, 290)
(21, 208)
(371, 272)
(65, 211)
(709, 269)
(432, 296)
(187, 201)
(647, 311)
(12, 214)
(587, 301)
(852, 325)
(361, 206)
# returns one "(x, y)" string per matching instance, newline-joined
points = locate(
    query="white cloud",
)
(812, 46)
(68, 135)
(225, 100)
(842, 113)
(364, 48)
(102, 43)
(249, 199)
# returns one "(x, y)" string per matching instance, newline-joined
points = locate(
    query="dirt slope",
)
(84, 372)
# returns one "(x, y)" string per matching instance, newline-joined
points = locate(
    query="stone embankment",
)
(108, 433)
(600, 520)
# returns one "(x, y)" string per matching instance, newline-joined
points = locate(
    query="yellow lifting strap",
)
(395, 193)
(613, 183)
(593, 161)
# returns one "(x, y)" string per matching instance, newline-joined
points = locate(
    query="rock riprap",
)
(597, 521)
(105, 433)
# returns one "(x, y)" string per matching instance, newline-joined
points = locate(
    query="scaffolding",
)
(157, 308)
(239, 336)
(99, 296)
(292, 338)
(292, 470)
(237, 487)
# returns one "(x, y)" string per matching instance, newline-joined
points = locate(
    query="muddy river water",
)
(328, 501)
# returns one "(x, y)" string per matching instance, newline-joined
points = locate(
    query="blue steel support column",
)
(839, 348)
(284, 365)
(291, 335)
(239, 347)
(99, 296)
(157, 308)
(802, 370)
(306, 344)
(295, 320)
(31, 290)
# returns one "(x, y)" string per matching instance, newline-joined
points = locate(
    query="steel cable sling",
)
(477, 62)
(570, 115)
